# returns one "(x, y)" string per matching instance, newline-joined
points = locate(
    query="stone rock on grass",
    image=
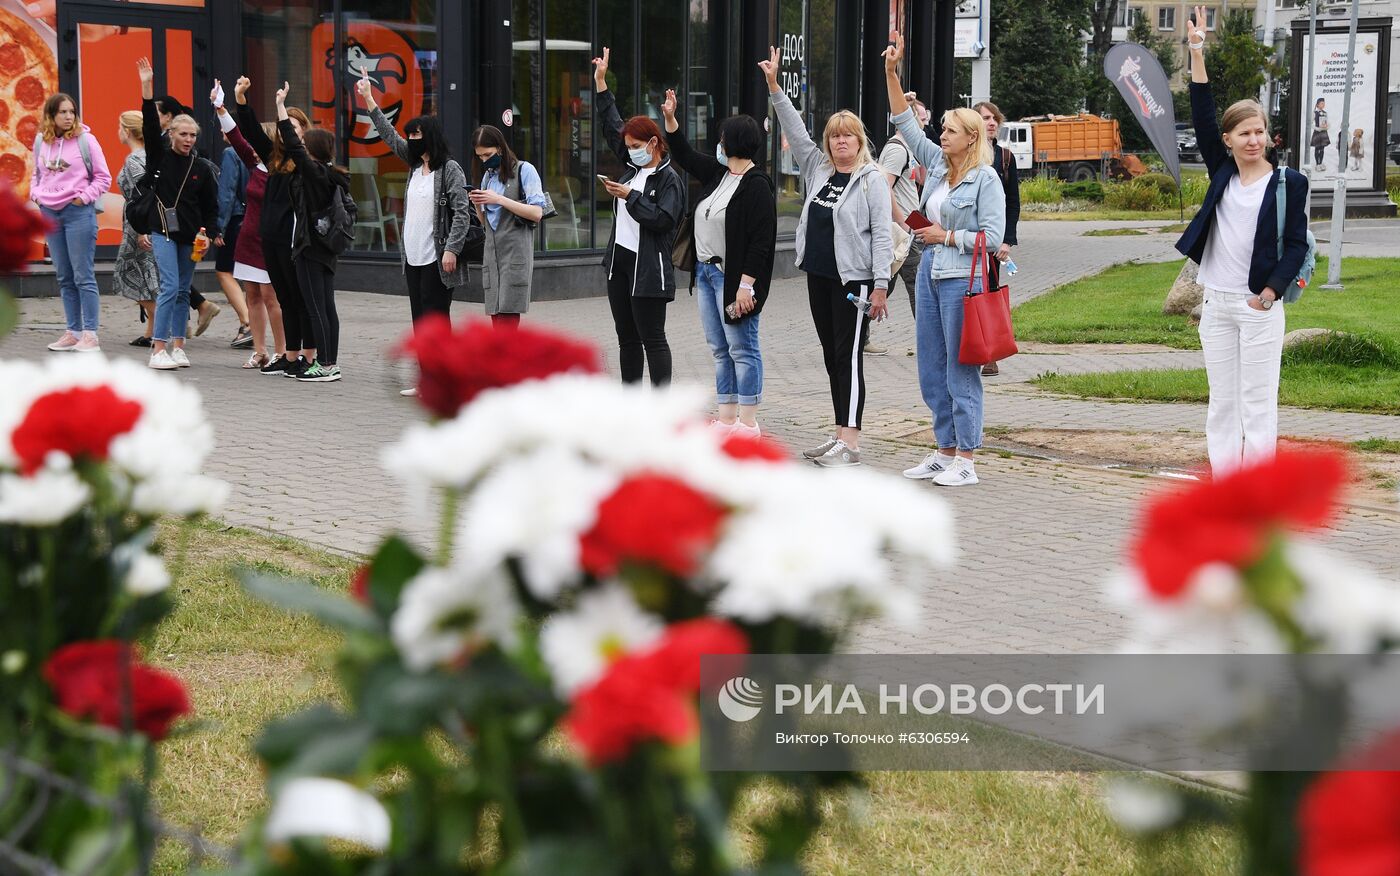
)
(1196, 313)
(1306, 335)
(1186, 293)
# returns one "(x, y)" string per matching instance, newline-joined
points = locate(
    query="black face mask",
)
(493, 162)
(416, 148)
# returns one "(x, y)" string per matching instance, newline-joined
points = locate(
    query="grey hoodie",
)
(864, 246)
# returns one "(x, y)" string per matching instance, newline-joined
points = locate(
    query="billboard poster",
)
(1323, 133)
(28, 75)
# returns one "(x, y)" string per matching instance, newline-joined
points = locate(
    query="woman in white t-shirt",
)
(1245, 268)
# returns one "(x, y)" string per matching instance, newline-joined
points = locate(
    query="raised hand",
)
(143, 70)
(216, 95)
(282, 93)
(364, 88)
(770, 68)
(240, 89)
(600, 69)
(894, 54)
(668, 106)
(1196, 30)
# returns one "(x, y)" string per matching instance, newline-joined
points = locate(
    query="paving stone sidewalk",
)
(1036, 539)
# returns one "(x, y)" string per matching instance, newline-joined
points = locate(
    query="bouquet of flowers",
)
(92, 453)
(524, 699)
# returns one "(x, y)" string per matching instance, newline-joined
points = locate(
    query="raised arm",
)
(925, 150)
(391, 138)
(1202, 101)
(605, 105)
(248, 124)
(702, 167)
(799, 140)
(150, 115)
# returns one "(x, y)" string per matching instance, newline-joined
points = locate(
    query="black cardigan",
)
(751, 223)
(1004, 163)
(197, 205)
(314, 186)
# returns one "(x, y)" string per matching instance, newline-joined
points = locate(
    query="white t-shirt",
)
(418, 219)
(710, 216)
(1225, 262)
(629, 233)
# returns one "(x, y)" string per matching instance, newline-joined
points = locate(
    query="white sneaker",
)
(839, 456)
(161, 361)
(746, 431)
(959, 473)
(411, 392)
(935, 463)
(177, 355)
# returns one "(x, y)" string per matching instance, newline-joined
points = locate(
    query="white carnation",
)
(327, 807)
(185, 495)
(147, 575)
(46, 498)
(446, 612)
(579, 645)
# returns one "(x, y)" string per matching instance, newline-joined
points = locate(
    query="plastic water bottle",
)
(1010, 266)
(864, 304)
(201, 246)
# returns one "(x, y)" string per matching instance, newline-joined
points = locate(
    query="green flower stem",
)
(447, 527)
(496, 761)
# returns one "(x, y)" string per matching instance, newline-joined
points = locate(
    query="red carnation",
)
(652, 519)
(359, 584)
(649, 695)
(1349, 821)
(87, 680)
(80, 422)
(19, 225)
(760, 449)
(454, 366)
(1231, 519)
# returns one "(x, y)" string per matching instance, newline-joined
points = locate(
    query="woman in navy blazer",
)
(1235, 240)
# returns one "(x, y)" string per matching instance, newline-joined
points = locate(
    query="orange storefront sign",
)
(393, 70)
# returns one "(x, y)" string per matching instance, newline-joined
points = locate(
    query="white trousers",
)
(1242, 348)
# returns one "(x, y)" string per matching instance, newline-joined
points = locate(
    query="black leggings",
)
(640, 324)
(296, 319)
(842, 329)
(318, 287)
(426, 293)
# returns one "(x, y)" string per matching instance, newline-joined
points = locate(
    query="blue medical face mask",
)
(493, 162)
(719, 154)
(640, 156)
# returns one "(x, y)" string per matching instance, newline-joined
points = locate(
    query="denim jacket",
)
(978, 203)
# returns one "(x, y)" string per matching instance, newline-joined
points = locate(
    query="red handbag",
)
(986, 333)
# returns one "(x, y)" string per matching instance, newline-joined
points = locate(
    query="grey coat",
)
(449, 198)
(864, 245)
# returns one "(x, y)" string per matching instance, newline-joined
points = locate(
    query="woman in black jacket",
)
(316, 187)
(1004, 163)
(650, 203)
(734, 228)
(186, 207)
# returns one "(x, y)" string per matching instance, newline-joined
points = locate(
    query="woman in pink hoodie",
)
(70, 175)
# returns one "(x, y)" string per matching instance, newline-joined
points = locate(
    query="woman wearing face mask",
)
(963, 197)
(845, 247)
(650, 201)
(509, 202)
(1234, 238)
(275, 227)
(67, 192)
(735, 226)
(134, 273)
(436, 211)
(187, 205)
(1004, 163)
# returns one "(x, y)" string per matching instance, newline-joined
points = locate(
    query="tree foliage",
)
(1038, 56)
(1102, 14)
(1237, 63)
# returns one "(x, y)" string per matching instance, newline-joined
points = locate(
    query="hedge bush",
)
(1088, 190)
(1042, 190)
(1135, 195)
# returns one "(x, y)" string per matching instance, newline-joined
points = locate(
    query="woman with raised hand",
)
(1235, 240)
(70, 176)
(275, 228)
(249, 264)
(962, 198)
(436, 214)
(186, 208)
(735, 224)
(650, 201)
(134, 273)
(845, 246)
(1004, 163)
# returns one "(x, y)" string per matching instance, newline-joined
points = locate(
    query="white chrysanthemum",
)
(444, 612)
(578, 645)
(1143, 807)
(534, 508)
(1346, 607)
(327, 807)
(147, 575)
(18, 381)
(44, 499)
(1211, 616)
(185, 495)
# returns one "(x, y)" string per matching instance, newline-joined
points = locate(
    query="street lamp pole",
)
(1339, 194)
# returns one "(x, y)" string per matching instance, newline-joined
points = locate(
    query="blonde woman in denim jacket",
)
(962, 196)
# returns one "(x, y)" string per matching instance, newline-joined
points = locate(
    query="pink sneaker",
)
(88, 344)
(65, 343)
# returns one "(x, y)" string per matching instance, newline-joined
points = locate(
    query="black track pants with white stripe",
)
(842, 328)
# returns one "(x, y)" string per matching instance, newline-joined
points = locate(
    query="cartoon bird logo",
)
(381, 68)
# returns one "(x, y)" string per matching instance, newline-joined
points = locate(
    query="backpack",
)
(1295, 288)
(83, 149)
(334, 226)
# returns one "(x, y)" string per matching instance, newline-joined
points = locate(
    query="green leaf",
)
(577, 856)
(283, 738)
(393, 566)
(303, 598)
(9, 313)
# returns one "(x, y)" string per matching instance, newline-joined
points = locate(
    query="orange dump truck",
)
(1072, 147)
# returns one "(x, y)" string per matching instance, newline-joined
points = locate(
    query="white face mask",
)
(640, 156)
(719, 154)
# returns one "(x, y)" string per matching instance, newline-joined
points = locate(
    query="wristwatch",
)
(1266, 303)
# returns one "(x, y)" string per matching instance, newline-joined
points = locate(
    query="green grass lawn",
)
(245, 663)
(1123, 305)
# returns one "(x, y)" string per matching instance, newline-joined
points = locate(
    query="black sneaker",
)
(278, 365)
(294, 369)
(243, 339)
(142, 341)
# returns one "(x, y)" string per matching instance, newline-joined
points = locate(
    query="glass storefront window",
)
(566, 162)
(792, 43)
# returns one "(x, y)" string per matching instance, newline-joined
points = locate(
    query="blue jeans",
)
(73, 247)
(173, 303)
(952, 390)
(738, 364)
